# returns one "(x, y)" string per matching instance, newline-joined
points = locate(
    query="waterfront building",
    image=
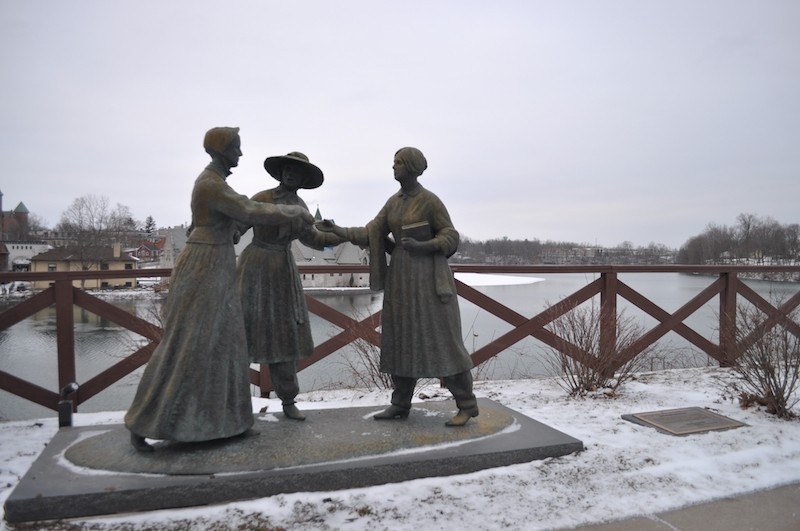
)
(87, 258)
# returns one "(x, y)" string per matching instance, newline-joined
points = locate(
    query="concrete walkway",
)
(775, 509)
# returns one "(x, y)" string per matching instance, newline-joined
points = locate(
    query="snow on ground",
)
(625, 470)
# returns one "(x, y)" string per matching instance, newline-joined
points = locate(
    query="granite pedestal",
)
(87, 471)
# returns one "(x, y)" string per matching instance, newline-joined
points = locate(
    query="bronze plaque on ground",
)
(684, 421)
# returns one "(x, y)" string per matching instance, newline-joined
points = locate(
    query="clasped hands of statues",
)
(408, 243)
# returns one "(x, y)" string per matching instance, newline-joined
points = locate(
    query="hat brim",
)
(312, 175)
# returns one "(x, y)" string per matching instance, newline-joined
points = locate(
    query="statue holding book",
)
(421, 322)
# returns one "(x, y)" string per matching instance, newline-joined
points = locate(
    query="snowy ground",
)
(626, 469)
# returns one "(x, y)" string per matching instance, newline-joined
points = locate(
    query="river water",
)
(28, 349)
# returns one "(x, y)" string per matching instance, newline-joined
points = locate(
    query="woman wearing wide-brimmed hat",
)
(276, 317)
(196, 385)
(421, 322)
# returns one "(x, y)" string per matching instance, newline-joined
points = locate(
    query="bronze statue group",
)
(221, 316)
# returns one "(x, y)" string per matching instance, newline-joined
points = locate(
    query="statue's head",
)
(413, 159)
(312, 176)
(218, 139)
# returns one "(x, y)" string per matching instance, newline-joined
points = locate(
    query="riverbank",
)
(775, 276)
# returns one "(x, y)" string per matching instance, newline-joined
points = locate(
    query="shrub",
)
(767, 362)
(595, 368)
(363, 364)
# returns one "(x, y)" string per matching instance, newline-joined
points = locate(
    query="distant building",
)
(174, 240)
(16, 255)
(58, 238)
(342, 254)
(17, 244)
(13, 223)
(148, 250)
(85, 259)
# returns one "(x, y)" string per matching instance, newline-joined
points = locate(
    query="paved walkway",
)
(776, 509)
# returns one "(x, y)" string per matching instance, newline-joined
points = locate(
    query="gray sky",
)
(586, 121)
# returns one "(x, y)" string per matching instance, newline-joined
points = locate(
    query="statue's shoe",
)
(392, 413)
(140, 444)
(291, 411)
(462, 417)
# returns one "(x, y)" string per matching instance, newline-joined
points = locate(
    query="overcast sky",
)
(585, 121)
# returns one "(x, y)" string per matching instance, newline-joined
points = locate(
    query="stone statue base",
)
(94, 470)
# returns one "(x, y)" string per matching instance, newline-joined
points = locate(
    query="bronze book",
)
(420, 231)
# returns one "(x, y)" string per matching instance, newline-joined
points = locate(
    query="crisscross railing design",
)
(724, 283)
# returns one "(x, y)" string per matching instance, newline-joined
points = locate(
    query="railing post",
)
(608, 316)
(65, 334)
(727, 318)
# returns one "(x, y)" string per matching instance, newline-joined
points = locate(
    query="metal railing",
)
(724, 283)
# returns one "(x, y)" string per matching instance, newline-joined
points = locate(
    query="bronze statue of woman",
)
(195, 386)
(275, 313)
(421, 322)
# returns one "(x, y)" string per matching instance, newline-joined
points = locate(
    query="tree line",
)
(504, 251)
(91, 221)
(90, 225)
(753, 240)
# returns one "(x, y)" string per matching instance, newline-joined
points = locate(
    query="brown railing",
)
(724, 282)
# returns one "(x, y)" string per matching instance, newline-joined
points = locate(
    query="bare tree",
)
(721, 241)
(770, 239)
(91, 225)
(85, 220)
(36, 224)
(747, 223)
(792, 234)
(122, 226)
(697, 250)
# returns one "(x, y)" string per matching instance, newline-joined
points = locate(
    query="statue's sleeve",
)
(373, 236)
(446, 237)
(246, 211)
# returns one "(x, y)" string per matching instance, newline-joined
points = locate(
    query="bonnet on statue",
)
(218, 139)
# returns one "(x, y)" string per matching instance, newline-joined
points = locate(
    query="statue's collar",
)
(281, 192)
(405, 194)
(219, 170)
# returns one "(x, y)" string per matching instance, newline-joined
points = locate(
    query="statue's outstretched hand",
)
(326, 225)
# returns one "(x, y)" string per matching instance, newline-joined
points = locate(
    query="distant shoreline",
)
(764, 277)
